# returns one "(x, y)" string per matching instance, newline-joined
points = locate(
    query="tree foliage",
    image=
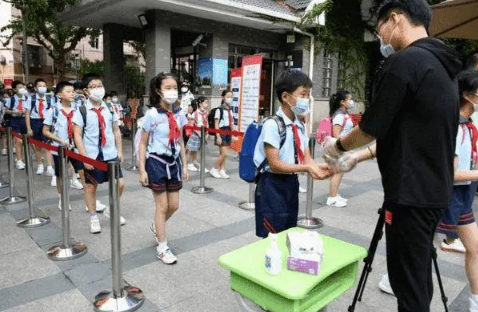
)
(43, 24)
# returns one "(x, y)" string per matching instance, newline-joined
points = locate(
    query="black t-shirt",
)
(414, 116)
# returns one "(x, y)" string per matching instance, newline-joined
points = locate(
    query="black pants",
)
(409, 232)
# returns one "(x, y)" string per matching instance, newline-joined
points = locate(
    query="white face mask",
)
(387, 50)
(228, 101)
(22, 91)
(114, 100)
(97, 94)
(184, 89)
(41, 90)
(351, 105)
(170, 96)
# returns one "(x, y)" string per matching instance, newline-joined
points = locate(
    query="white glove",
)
(347, 162)
(331, 153)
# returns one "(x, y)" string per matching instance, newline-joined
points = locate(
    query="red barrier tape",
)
(126, 120)
(223, 132)
(95, 163)
(43, 145)
(2, 129)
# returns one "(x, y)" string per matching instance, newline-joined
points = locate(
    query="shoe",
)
(191, 167)
(302, 190)
(95, 226)
(59, 205)
(215, 173)
(99, 207)
(166, 255)
(342, 199)
(50, 171)
(76, 185)
(20, 165)
(456, 246)
(53, 181)
(473, 303)
(223, 174)
(106, 213)
(40, 169)
(4, 152)
(334, 202)
(384, 285)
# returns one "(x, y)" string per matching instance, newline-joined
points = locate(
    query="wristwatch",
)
(339, 146)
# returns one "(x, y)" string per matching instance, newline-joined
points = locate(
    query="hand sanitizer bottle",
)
(273, 257)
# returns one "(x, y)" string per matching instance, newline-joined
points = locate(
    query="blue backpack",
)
(247, 168)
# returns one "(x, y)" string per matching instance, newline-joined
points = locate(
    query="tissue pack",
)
(305, 252)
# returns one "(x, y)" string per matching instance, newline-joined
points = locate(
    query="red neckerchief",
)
(116, 109)
(20, 105)
(102, 122)
(204, 118)
(174, 132)
(40, 108)
(474, 139)
(69, 117)
(298, 144)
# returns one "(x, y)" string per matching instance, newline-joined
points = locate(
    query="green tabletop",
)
(248, 263)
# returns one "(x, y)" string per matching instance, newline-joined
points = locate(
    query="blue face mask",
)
(386, 49)
(301, 108)
(351, 105)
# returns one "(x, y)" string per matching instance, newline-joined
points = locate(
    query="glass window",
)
(327, 74)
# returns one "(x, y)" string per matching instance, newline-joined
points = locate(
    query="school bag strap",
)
(282, 132)
(83, 113)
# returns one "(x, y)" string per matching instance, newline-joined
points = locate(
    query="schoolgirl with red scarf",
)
(198, 118)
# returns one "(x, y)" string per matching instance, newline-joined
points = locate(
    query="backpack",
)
(325, 128)
(34, 102)
(247, 168)
(83, 115)
(212, 116)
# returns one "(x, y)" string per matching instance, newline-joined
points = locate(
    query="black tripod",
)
(377, 236)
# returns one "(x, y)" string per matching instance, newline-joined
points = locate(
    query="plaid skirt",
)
(194, 143)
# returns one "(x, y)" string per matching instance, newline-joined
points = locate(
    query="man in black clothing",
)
(414, 118)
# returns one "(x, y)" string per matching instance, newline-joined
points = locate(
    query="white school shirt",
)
(270, 134)
(91, 137)
(198, 118)
(224, 122)
(61, 125)
(14, 108)
(339, 119)
(35, 113)
(156, 124)
(463, 150)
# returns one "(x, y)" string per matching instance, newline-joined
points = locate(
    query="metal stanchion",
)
(309, 222)
(66, 251)
(202, 188)
(134, 157)
(251, 204)
(11, 199)
(3, 184)
(122, 298)
(32, 220)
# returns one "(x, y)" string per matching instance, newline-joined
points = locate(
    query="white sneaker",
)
(59, 205)
(50, 171)
(191, 167)
(456, 246)
(302, 190)
(198, 165)
(215, 173)
(384, 285)
(224, 174)
(166, 255)
(99, 207)
(20, 165)
(106, 213)
(76, 185)
(4, 152)
(474, 303)
(40, 169)
(95, 226)
(53, 181)
(334, 202)
(345, 200)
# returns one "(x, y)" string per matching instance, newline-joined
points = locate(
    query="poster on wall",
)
(236, 81)
(220, 70)
(205, 72)
(250, 95)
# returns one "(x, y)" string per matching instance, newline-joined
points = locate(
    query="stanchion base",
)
(3, 185)
(59, 253)
(132, 168)
(33, 222)
(13, 200)
(131, 300)
(312, 223)
(247, 205)
(202, 190)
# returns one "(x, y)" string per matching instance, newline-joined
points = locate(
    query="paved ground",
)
(205, 227)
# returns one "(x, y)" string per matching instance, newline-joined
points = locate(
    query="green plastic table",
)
(293, 291)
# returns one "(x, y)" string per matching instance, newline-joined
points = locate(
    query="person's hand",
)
(348, 162)
(219, 140)
(315, 171)
(331, 153)
(88, 166)
(66, 145)
(120, 157)
(30, 132)
(325, 171)
(143, 178)
(185, 174)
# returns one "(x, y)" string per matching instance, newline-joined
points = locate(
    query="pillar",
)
(113, 56)
(158, 47)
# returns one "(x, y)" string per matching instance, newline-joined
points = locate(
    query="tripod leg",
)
(444, 298)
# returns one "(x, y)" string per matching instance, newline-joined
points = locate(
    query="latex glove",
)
(347, 162)
(331, 153)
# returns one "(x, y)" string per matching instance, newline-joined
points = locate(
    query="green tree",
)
(87, 66)
(43, 24)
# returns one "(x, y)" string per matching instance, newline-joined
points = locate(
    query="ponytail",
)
(335, 100)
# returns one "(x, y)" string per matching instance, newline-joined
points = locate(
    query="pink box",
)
(302, 265)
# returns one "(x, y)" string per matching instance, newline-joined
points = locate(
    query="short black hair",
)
(418, 11)
(78, 85)
(107, 95)
(467, 83)
(39, 80)
(471, 61)
(113, 93)
(30, 85)
(291, 80)
(61, 86)
(16, 83)
(88, 78)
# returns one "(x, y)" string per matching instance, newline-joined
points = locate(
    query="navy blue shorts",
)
(277, 203)
(226, 139)
(459, 212)
(97, 176)
(18, 125)
(77, 165)
(159, 181)
(37, 128)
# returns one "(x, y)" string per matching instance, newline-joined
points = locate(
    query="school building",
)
(203, 40)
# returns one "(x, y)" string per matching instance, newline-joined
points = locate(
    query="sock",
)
(94, 216)
(473, 303)
(161, 245)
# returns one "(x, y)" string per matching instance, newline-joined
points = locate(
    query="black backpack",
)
(212, 116)
(83, 115)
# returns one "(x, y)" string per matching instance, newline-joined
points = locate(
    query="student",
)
(15, 107)
(223, 121)
(281, 157)
(199, 119)
(80, 98)
(116, 104)
(186, 96)
(159, 152)
(58, 127)
(36, 107)
(99, 139)
(340, 103)
(31, 89)
(5, 96)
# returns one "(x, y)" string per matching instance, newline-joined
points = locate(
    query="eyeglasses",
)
(95, 87)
